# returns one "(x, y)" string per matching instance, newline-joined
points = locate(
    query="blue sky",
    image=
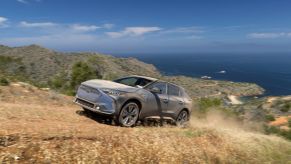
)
(148, 26)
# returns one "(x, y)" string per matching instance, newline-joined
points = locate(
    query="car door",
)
(159, 101)
(176, 101)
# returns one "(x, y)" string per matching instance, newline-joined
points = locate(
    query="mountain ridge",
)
(41, 66)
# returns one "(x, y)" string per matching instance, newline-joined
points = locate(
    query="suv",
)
(134, 98)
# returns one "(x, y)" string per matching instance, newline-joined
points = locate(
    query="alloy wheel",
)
(129, 114)
(182, 118)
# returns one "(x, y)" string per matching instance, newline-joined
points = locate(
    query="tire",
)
(128, 115)
(182, 118)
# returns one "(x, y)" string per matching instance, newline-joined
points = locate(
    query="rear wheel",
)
(129, 114)
(182, 118)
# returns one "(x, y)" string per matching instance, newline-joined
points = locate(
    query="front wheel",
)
(129, 114)
(182, 118)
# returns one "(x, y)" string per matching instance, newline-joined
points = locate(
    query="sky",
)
(148, 26)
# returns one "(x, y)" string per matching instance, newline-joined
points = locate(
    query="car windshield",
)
(133, 81)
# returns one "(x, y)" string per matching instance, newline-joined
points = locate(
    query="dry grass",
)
(37, 129)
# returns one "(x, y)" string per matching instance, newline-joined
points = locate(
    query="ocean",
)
(270, 71)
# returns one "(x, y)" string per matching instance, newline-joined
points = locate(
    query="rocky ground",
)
(40, 126)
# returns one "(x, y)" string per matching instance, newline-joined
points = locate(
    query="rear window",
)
(173, 90)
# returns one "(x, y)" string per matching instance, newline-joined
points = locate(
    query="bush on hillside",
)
(81, 72)
(286, 134)
(5, 60)
(202, 106)
(269, 117)
(58, 81)
(275, 130)
(286, 107)
(206, 103)
(271, 129)
(289, 122)
(4, 81)
(67, 84)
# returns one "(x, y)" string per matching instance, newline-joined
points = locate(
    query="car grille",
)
(89, 89)
(85, 103)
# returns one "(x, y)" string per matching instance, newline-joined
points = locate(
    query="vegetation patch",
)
(286, 107)
(207, 103)
(269, 117)
(276, 130)
(4, 81)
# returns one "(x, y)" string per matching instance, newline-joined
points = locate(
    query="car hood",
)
(101, 84)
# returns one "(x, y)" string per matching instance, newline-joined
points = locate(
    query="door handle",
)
(165, 101)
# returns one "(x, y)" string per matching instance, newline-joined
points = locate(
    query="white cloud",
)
(270, 35)
(108, 26)
(133, 31)
(84, 28)
(195, 37)
(192, 29)
(22, 1)
(57, 40)
(3, 22)
(37, 24)
(28, 1)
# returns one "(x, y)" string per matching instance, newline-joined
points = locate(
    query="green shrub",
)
(286, 107)
(4, 60)
(269, 117)
(289, 122)
(81, 72)
(206, 103)
(275, 130)
(69, 92)
(4, 81)
(286, 134)
(58, 81)
(202, 106)
(271, 129)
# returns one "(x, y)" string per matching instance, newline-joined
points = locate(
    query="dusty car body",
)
(134, 98)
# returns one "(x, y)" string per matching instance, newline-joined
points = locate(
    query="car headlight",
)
(112, 92)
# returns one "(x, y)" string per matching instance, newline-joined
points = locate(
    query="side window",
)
(162, 86)
(128, 81)
(173, 90)
(142, 82)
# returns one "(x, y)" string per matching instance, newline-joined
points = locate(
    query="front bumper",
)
(95, 107)
(95, 100)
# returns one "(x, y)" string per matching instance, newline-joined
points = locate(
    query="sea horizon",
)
(272, 71)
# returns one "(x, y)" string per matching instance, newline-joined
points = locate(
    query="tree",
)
(81, 72)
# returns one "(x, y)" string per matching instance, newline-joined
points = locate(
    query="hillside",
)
(48, 68)
(39, 63)
(43, 126)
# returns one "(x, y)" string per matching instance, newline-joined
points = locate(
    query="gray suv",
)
(134, 98)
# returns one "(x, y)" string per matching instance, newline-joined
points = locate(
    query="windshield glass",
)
(133, 81)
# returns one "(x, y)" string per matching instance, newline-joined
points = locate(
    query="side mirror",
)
(155, 90)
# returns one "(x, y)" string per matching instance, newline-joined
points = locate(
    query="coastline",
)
(234, 100)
